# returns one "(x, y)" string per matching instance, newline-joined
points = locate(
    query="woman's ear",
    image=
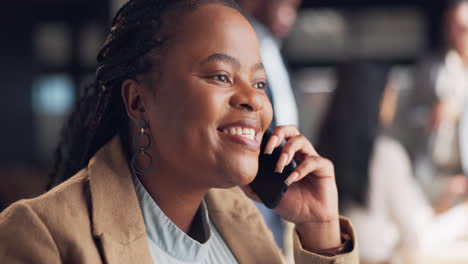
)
(132, 95)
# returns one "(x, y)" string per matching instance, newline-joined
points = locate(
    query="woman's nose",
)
(248, 98)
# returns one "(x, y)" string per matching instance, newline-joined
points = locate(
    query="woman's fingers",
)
(318, 166)
(282, 162)
(296, 144)
(271, 145)
(300, 144)
(285, 132)
(292, 178)
(278, 135)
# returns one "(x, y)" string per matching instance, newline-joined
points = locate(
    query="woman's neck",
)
(178, 200)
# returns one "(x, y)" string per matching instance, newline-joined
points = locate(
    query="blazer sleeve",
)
(302, 256)
(24, 238)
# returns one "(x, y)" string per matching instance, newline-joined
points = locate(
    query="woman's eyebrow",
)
(257, 67)
(230, 60)
(223, 58)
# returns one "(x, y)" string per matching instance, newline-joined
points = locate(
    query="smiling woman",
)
(159, 147)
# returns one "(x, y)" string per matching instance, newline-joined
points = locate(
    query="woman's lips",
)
(248, 143)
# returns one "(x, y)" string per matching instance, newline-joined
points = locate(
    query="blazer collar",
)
(116, 216)
(118, 222)
(242, 227)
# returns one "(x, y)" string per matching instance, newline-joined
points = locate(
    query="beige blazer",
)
(94, 217)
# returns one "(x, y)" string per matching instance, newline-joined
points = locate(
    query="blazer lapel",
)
(116, 216)
(242, 227)
(119, 227)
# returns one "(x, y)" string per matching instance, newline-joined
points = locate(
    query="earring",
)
(142, 150)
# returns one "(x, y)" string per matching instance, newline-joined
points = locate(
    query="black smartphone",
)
(268, 184)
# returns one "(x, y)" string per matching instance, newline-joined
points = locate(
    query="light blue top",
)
(168, 244)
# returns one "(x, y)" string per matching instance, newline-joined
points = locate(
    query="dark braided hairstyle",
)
(100, 114)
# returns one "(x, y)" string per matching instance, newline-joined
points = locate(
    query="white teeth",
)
(250, 136)
(245, 132)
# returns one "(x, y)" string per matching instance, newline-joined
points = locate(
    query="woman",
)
(159, 145)
(375, 185)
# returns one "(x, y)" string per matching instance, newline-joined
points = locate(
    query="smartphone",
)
(268, 184)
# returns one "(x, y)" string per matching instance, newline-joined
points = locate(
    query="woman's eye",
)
(260, 85)
(222, 78)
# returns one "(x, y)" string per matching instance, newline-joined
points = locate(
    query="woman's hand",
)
(311, 201)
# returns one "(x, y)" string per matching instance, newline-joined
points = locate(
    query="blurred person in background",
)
(373, 172)
(273, 20)
(156, 153)
(435, 137)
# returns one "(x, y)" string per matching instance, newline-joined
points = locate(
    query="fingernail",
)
(290, 180)
(289, 160)
(281, 162)
(271, 145)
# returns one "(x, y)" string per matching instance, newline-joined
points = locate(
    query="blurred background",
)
(48, 54)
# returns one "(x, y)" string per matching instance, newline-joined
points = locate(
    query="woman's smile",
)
(245, 132)
(209, 101)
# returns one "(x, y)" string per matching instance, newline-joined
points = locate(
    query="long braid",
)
(100, 112)
(70, 131)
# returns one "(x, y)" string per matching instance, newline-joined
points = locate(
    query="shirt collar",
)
(166, 235)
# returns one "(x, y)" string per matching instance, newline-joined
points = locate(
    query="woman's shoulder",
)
(69, 192)
(45, 228)
(66, 201)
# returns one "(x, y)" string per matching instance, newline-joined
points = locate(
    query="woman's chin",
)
(244, 178)
(239, 172)
(237, 179)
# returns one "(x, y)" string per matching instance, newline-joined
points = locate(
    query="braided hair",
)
(137, 32)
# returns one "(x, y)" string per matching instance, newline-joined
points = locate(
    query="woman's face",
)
(210, 86)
